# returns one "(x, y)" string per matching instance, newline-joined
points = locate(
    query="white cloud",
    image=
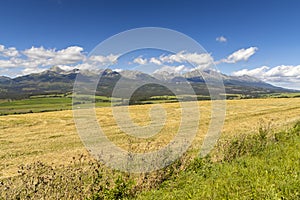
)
(39, 56)
(11, 52)
(39, 53)
(283, 75)
(172, 69)
(69, 55)
(284, 71)
(155, 61)
(7, 64)
(35, 58)
(200, 60)
(242, 54)
(99, 59)
(257, 72)
(32, 70)
(8, 52)
(118, 70)
(140, 60)
(66, 67)
(221, 39)
(85, 66)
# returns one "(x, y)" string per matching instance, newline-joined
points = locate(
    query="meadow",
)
(59, 102)
(261, 168)
(51, 138)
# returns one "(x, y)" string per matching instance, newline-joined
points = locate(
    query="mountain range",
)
(58, 81)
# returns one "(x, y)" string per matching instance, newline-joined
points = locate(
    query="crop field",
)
(59, 102)
(51, 137)
(35, 105)
(43, 103)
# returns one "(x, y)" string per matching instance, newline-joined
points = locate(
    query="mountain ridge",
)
(57, 80)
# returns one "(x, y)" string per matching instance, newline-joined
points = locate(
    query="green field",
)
(45, 103)
(35, 105)
(283, 95)
(58, 102)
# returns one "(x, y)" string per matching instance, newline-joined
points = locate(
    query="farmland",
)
(59, 102)
(51, 137)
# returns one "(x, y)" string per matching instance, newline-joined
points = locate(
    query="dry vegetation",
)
(51, 137)
(42, 156)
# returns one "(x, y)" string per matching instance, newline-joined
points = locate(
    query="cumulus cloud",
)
(172, 69)
(221, 39)
(200, 60)
(283, 75)
(140, 61)
(93, 63)
(67, 67)
(118, 70)
(8, 52)
(35, 59)
(177, 63)
(7, 64)
(103, 60)
(239, 55)
(70, 55)
(39, 53)
(257, 72)
(284, 71)
(32, 70)
(39, 56)
(155, 61)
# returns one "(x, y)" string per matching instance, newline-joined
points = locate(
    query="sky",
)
(256, 38)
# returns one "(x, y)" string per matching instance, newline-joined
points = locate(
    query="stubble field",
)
(52, 138)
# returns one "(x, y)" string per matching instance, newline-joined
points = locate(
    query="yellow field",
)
(52, 138)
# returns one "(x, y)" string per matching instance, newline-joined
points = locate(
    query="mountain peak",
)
(56, 69)
(5, 79)
(136, 75)
(247, 78)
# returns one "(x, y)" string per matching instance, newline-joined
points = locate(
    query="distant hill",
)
(58, 81)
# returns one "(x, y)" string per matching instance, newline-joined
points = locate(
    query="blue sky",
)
(271, 27)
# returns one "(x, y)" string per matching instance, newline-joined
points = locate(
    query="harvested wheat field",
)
(52, 138)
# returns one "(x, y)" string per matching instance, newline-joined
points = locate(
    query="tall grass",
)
(262, 165)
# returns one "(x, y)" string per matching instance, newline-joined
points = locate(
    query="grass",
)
(35, 105)
(283, 95)
(271, 171)
(51, 137)
(264, 165)
(57, 102)
(45, 143)
(46, 103)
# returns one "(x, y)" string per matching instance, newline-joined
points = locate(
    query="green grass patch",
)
(46, 103)
(283, 95)
(255, 167)
(35, 105)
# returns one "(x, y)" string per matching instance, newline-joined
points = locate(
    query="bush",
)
(81, 179)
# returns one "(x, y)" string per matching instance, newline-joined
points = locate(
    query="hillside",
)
(58, 81)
